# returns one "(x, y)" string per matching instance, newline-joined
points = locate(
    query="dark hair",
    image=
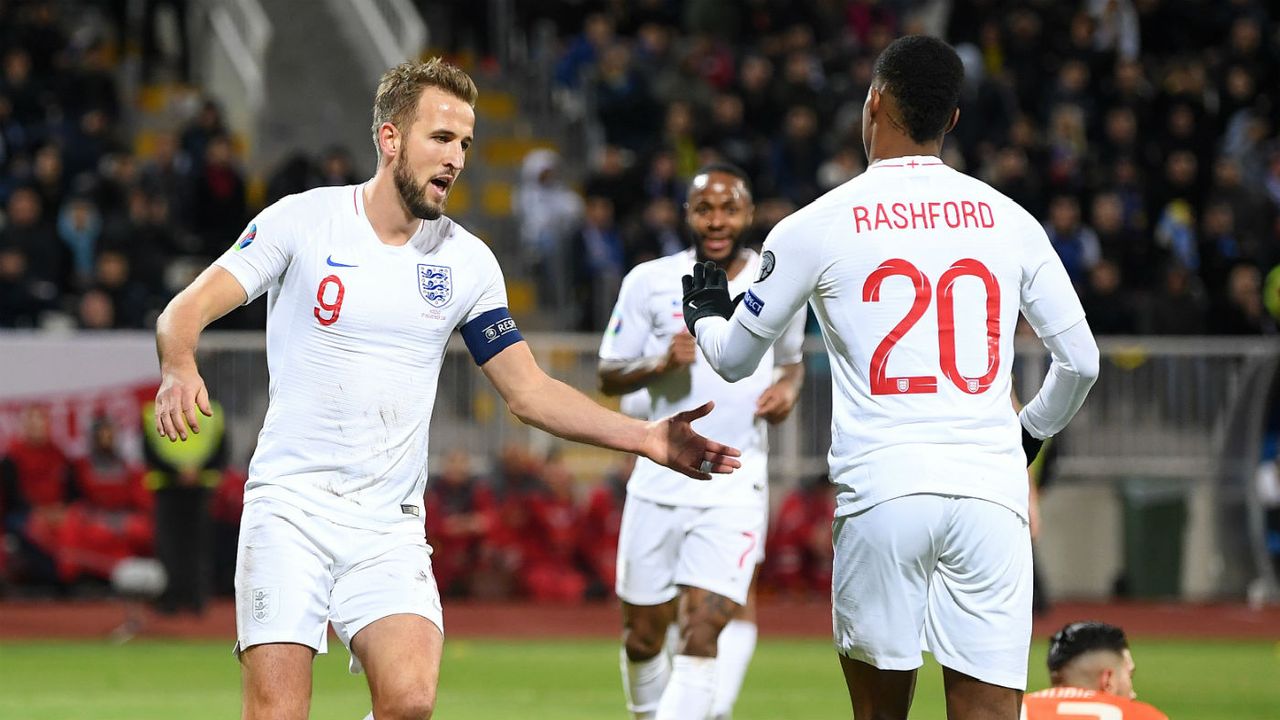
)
(726, 168)
(924, 74)
(1079, 638)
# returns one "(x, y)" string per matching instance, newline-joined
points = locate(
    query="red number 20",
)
(332, 308)
(881, 384)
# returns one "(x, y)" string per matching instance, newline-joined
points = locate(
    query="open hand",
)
(672, 442)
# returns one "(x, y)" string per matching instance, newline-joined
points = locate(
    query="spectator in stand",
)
(29, 232)
(132, 301)
(336, 167)
(167, 172)
(518, 486)
(734, 140)
(20, 300)
(548, 212)
(1240, 310)
(601, 523)
(91, 140)
(37, 486)
(460, 515)
(49, 178)
(144, 239)
(796, 156)
(623, 101)
(612, 178)
(95, 310)
(755, 87)
(655, 234)
(217, 199)
(79, 227)
(1106, 303)
(1075, 242)
(584, 50)
(798, 553)
(1178, 308)
(111, 520)
(206, 125)
(680, 137)
(1125, 246)
(24, 92)
(599, 263)
(661, 179)
(551, 567)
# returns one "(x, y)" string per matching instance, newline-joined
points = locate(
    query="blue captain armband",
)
(489, 333)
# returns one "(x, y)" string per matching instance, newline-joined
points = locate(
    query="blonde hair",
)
(400, 87)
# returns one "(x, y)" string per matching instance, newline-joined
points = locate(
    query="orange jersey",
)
(1070, 703)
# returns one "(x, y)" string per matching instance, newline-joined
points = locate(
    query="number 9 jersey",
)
(916, 274)
(356, 334)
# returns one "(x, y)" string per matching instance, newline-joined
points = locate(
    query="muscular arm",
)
(210, 296)
(550, 405)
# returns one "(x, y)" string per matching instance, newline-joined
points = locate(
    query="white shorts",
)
(950, 575)
(297, 572)
(662, 547)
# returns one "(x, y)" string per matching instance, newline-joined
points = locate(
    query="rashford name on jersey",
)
(955, 214)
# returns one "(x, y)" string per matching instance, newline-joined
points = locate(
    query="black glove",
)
(1031, 446)
(706, 294)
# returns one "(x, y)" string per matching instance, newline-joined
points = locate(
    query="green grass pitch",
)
(564, 680)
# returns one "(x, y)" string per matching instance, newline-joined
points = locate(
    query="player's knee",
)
(642, 642)
(700, 636)
(410, 705)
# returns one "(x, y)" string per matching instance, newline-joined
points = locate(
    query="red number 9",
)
(332, 308)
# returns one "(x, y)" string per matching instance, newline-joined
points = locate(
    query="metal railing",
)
(1174, 416)
(392, 31)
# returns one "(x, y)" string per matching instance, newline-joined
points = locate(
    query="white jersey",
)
(356, 330)
(647, 315)
(916, 273)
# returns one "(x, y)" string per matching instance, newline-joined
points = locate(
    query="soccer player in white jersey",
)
(687, 551)
(917, 273)
(364, 285)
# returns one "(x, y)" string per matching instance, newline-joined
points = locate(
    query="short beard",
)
(728, 259)
(413, 194)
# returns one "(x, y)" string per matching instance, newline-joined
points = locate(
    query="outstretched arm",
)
(548, 404)
(213, 294)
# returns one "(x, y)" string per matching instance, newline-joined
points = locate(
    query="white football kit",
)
(917, 273)
(677, 531)
(356, 332)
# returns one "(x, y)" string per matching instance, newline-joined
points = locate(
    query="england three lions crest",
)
(435, 282)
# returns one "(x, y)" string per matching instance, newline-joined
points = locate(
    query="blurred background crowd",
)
(1143, 133)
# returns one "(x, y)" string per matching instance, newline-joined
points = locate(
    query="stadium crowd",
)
(1142, 132)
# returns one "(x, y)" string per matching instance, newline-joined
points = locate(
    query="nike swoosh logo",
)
(692, 305)
(338, 264)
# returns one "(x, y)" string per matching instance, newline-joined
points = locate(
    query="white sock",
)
(369, 716)
(735, 647)
(672, 644)
(643, 682)
(690, 691)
